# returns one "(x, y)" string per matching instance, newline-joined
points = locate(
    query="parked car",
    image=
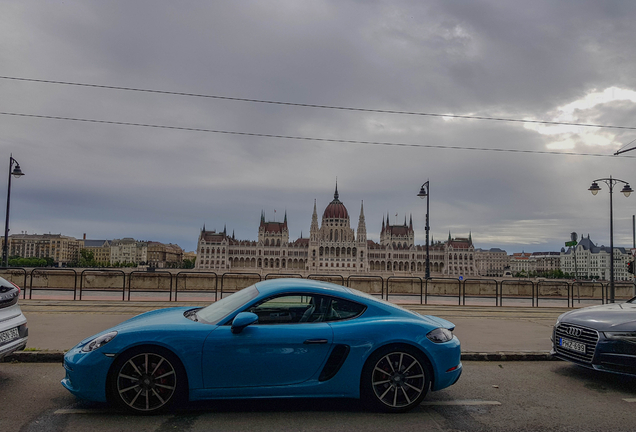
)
(13, 324)
(598, 337)
(283, 338)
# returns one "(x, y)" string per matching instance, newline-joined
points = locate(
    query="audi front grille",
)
(575, 333)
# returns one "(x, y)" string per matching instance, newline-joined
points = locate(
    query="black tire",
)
(395, 379)
(147, 380)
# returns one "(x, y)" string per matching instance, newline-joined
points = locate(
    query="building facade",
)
(334, 246)
(128, 250)
(590, 261)
(62, 249)
(100, 249)
(492, 262)
(162, 255)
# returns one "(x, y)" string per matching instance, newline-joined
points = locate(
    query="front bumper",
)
(86, 374)
(610, 355)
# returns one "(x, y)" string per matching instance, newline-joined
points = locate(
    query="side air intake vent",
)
(334, 362)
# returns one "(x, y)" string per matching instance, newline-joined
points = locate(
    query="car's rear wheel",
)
(395, 379)
(146, 380)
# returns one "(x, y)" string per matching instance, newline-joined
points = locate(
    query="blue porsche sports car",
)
(283, 338)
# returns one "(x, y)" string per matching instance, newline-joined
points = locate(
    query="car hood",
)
(171, 317)
(615, 316)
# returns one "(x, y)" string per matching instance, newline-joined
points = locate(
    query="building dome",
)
(335, 209)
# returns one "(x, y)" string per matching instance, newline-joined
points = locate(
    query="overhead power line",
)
(332, 107)
(301, 138)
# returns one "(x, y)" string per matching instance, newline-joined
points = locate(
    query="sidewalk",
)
(485, 332)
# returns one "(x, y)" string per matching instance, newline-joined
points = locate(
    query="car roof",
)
(273, 286)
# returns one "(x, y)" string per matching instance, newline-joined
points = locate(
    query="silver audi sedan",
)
(13, 324)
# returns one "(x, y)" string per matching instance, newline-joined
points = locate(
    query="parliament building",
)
(334, 247)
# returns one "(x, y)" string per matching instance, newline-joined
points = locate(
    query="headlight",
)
(440, 335)
(625, 336)
(99, 341)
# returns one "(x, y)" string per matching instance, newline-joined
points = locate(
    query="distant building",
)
(545, 262)
(334, 246)
(520, 262)
(492, 262)
(593, 261)
(164, 255)
(100, 249)
(128, 250)
(62, 249)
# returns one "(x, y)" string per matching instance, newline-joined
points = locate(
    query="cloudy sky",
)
(566, 61)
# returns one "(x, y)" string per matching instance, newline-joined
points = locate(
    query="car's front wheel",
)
(395, 379)
(146, 380)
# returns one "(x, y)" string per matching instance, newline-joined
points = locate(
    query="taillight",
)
(16, 286)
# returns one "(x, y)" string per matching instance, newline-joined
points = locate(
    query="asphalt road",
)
(490, 396)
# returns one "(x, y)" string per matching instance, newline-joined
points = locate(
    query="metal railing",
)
(46, 271)
(158, 276)
(102, 272)
(551, 292)
(412, 279)
(199, 275)
(484, 296)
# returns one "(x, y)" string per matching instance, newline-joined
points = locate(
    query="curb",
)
(58, 356)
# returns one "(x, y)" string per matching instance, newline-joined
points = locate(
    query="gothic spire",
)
(362, 227)
(335, 195)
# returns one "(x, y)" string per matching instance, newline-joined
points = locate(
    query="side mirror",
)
(242, 320)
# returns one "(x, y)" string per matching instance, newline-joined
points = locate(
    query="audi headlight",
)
(99, 341)
(440, 335)
(627, 336)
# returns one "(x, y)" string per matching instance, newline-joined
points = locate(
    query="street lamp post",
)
(627, 190)
(16, 172)
(424, 192)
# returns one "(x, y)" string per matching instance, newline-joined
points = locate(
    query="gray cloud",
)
(513, 59)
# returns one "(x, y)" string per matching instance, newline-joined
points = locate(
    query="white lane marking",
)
(630, 400)
(79, 411)
(462, 402)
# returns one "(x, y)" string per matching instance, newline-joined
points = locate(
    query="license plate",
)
(572, 345)
(9, 335)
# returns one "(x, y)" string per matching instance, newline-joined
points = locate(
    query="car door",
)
(288, 345)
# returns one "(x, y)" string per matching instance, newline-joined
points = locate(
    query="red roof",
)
(335, 210)
(273, 227)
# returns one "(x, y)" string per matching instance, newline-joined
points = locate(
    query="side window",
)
(287, 309)
(341, 309)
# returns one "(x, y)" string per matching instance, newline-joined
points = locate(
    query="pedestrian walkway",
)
(485, 332)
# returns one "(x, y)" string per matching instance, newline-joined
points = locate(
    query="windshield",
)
(218, 310)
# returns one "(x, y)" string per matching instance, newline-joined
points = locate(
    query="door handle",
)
(315, 341)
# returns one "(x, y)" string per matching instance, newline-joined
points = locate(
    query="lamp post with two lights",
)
(627, 190)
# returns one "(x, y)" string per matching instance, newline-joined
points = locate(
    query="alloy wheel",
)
(146, 382)
(398, 379)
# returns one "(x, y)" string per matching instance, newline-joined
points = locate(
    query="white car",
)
(13, 324)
